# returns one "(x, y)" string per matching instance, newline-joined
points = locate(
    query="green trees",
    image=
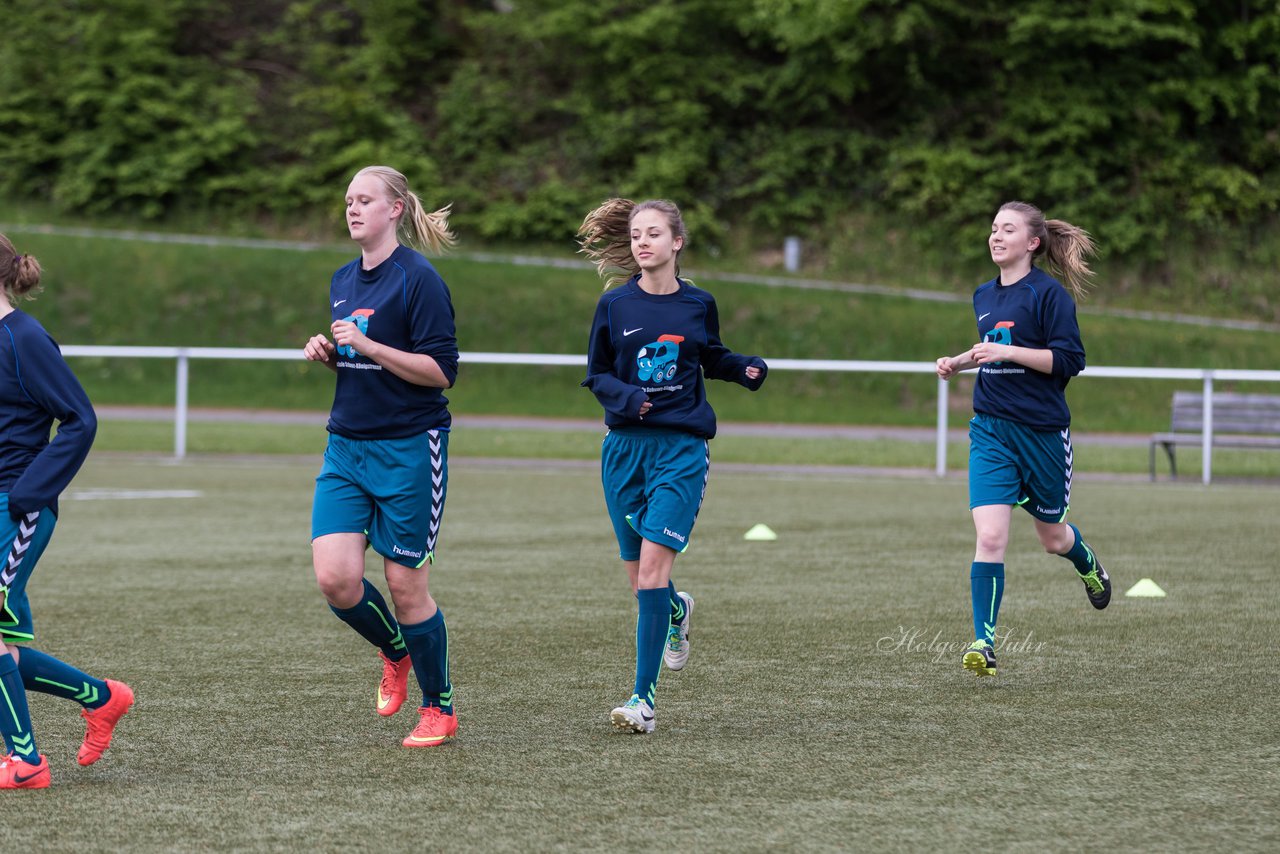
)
(1149, 121)
(102, 108)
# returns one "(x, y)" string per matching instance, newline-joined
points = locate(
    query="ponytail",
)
(605, 238)
(428, 230)
(1069, 250)
(19, 274)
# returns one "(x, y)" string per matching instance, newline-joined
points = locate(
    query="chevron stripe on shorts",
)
(19, 547)
(437, 488)
(1069, 463)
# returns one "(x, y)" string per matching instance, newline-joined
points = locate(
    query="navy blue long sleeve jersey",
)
(402, 303)
(657, 348)
(1035, 312)
(37, 387)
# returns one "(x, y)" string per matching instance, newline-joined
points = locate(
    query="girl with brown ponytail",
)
(1020, 451)
(654, 338)
(37, 388)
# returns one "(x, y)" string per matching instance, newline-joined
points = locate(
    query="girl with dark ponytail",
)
(36, 389)
(1020, 451)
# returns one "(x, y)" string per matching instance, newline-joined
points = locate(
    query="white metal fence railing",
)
(184, 355)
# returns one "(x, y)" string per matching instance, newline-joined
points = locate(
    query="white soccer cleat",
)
(634, 716)
(677, 650)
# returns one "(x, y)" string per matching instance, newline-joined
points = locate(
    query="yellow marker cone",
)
(760, 533)
(1146, 588)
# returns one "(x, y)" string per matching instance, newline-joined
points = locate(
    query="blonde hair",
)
(605, 236)
(428, 230)
(1066, 247)
(19, 274)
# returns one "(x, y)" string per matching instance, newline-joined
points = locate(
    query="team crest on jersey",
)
(1001, 333)
(657, 361)
(360, 317)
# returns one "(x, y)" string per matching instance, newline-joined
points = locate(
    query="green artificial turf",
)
(823, 708)
(1092, 457)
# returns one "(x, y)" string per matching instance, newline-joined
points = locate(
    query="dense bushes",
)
(1152, 122)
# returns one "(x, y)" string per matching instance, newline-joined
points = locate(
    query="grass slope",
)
(103, 291)
(824, 707)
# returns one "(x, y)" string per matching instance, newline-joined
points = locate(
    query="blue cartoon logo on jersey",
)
(360, 317)
(1001, 333)
(657, 361)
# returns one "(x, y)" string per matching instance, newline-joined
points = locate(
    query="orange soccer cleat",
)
(433, 729)
(17, 774)
(393, 688)
(101, 722)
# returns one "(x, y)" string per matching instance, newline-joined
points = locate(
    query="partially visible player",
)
(385, 469)
(37, 388)
(1020, 452)
(652, 340)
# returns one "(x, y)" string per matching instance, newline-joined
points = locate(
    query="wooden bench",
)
(1239, 421)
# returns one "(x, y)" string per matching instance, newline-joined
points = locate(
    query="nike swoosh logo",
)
(627, 332)
(979, 316)
(338, 303)
(18, 778)
(383, 702)
(645, 718)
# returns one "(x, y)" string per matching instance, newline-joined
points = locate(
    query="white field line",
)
(130, 494)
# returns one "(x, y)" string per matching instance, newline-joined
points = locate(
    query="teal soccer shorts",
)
(1009, 463)
(390, 490)
(21, 544)
(654, 481)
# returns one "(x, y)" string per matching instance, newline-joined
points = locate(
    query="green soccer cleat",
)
(1097, 586)
(980, 658)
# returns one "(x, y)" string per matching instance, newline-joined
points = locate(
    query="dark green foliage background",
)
(1151, 122)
